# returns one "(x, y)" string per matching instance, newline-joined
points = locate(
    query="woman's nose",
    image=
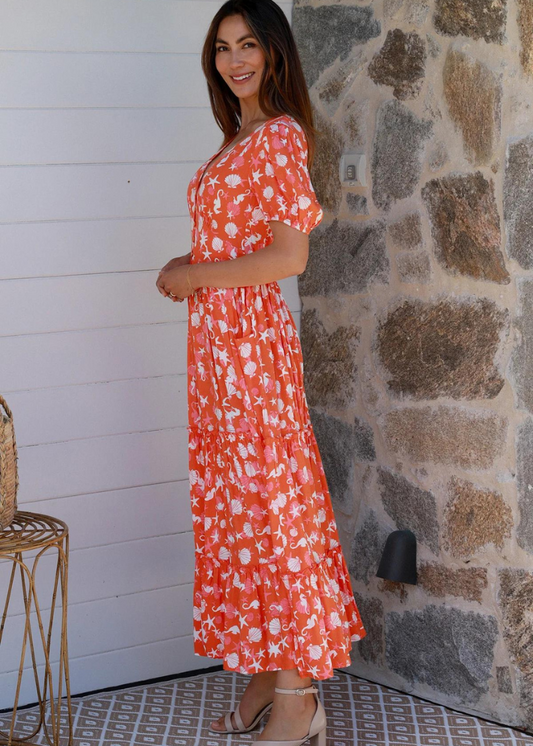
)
(236, 60)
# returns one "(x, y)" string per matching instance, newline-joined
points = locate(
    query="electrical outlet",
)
(353, 169)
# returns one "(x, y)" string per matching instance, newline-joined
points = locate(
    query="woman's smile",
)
(241, 78)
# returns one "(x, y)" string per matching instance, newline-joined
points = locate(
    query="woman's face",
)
(238, 54)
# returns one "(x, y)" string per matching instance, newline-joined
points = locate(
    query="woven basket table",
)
(39, 535)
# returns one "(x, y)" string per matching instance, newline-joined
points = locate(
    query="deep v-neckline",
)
(211, 163)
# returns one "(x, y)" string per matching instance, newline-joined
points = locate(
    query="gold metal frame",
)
(29, 532)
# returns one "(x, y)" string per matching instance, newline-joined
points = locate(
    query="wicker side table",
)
(40, 535)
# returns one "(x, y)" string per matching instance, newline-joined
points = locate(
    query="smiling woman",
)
(272, 594)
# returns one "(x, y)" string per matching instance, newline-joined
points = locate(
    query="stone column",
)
(417, 333)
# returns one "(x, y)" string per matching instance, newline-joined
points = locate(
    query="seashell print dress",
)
(271, 586)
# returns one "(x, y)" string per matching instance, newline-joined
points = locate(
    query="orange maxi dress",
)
(271, 586)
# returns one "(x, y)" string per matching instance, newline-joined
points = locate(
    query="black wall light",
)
(398, 561)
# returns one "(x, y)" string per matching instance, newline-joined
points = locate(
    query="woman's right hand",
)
(178, 261)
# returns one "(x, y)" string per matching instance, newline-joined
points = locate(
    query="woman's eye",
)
(220, 49)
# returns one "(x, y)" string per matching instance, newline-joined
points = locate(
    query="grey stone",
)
(412, 12)
(517, 200)
(410, 507)
(364, 441)
(335, 84)
(397, 153)
(417, 12)
(357, 203)
(414, 266)
(345, 257)
(391, 8)
(400, 63)
(503, 677)
(330, 145)
(445, 435)
(354, 120)
(516, 601)
(465, 225)
(322, 34)
(330, 371)
(473, 94)
(450, 650)
(371, 646)
(438, 157)
(524, 681)
(434, 48)
(524, 464)
(367, 546)
(479, 19)
(406, 233)
(525, 27)
(446, 348)
(336, 442)
(521, 368)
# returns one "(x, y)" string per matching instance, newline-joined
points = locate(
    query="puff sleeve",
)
(280, 179)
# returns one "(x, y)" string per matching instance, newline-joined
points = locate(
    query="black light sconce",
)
(398, 561)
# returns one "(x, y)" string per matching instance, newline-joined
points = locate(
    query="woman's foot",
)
(258, 693)
(291, 715)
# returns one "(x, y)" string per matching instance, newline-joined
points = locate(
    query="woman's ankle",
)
(264, 679)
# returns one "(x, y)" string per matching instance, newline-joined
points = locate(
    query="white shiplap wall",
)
(104, 118)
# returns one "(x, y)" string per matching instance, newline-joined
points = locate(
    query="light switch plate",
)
(353, 169)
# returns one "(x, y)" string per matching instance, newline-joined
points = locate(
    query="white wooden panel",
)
(41, 360)
(83, 466)
(98, 626)
(51, 249)
(115, 570)
(107, 136)
(48, 249)
(84, 302)
(85, 80)
(96, 191)
(94, 356)
(160, 26)
(111, 408)
(105, 87)
(95, 672)
(121, 515)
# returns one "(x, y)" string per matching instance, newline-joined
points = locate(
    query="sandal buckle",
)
(300, 692)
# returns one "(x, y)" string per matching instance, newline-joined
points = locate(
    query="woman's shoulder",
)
(285, 132)
(283, 123)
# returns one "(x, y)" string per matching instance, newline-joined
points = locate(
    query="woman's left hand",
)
(173, 283)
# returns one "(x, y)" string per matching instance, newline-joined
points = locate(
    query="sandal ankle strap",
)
(300, 691)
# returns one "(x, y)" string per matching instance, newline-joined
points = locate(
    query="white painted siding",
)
(104, 118)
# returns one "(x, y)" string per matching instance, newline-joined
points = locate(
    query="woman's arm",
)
(178, 261)
(284, 257)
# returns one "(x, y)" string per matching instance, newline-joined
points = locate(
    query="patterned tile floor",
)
(178, 713)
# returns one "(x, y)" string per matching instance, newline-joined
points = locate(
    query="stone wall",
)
(417, 332)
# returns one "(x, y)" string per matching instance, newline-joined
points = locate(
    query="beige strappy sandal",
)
(241, 727)
(317, 729)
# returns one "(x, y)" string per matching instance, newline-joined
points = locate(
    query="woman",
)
(272, 594)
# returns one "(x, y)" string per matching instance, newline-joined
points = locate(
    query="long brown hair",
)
(282, 89)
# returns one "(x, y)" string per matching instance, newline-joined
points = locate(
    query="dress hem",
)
(249, 640)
